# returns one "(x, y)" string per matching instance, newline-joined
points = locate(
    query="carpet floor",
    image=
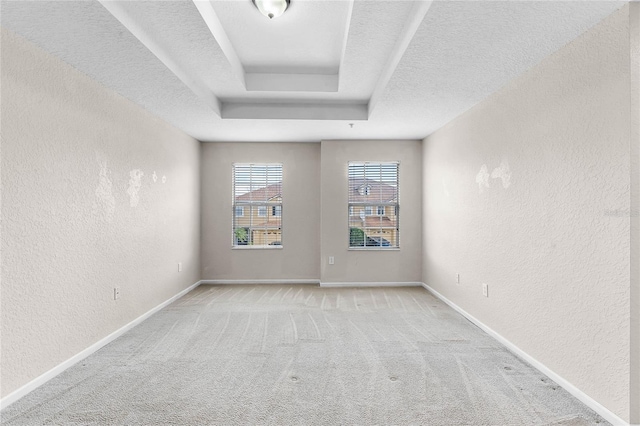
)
(302, 355)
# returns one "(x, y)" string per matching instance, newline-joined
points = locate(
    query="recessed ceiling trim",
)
(215, 26)
(418, 12)
(291, 82)
(116, 9)
(461, 53)
(293, 111)
(347, 25)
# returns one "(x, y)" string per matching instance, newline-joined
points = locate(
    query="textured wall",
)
(529, 193)
(634, 48)
(298, 258)
(96, 193)
(313, 174)
(401, 265)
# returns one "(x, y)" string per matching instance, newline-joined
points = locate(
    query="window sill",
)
(374, 249)
(256, 247)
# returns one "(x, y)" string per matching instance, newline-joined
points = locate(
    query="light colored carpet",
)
(289, 355)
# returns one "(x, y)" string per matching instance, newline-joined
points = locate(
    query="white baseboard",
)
(286, 281)
(370, 284)
(314, 282)
(42, 379)
(573, 390)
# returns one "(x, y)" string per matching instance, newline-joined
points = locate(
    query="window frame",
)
(236, 211)
(256, 207)
(375, 205)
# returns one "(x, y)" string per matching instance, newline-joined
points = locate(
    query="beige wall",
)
(298, 257)
(529, 193)
(310, 170)
(634, 46)
(82, 213)
(385, 265)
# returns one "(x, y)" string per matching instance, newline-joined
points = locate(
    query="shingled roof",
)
(266, 193)
(378, 191)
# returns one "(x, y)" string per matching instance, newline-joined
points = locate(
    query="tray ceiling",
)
(221, 71)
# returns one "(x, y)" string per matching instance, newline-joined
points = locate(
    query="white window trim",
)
(395, 204)
(266, 204)
(262, 211)
(241, 210)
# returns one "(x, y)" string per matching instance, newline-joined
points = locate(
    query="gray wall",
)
(299, 256)
(529, 193)
(314, 199)
(634, 48)
(382, 266)
(82, 212)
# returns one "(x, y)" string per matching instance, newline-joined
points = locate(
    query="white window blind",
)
(257, 190)
(373, 187)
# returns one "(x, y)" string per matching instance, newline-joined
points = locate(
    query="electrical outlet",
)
(179, 266)
(457, 278)
(332, 260)
(485, 290)
(116, 293)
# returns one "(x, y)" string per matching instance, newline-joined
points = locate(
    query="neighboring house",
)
(259, 212)
(368, 210)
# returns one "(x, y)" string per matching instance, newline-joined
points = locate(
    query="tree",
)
(242, 236)
(356, 237)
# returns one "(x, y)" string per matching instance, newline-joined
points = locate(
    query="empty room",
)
(319, 212)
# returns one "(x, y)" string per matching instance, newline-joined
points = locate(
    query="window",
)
(373, 187)
(364, 189)
(257, 190)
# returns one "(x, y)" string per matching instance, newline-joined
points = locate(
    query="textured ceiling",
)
(308, 36)
(222, 72)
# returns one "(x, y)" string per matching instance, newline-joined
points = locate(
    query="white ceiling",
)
(308, 38)
(221, 71)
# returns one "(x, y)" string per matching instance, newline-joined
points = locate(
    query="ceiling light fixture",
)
(271, 8)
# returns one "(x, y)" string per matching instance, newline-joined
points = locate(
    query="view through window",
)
(373, 205)
(257, 205)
